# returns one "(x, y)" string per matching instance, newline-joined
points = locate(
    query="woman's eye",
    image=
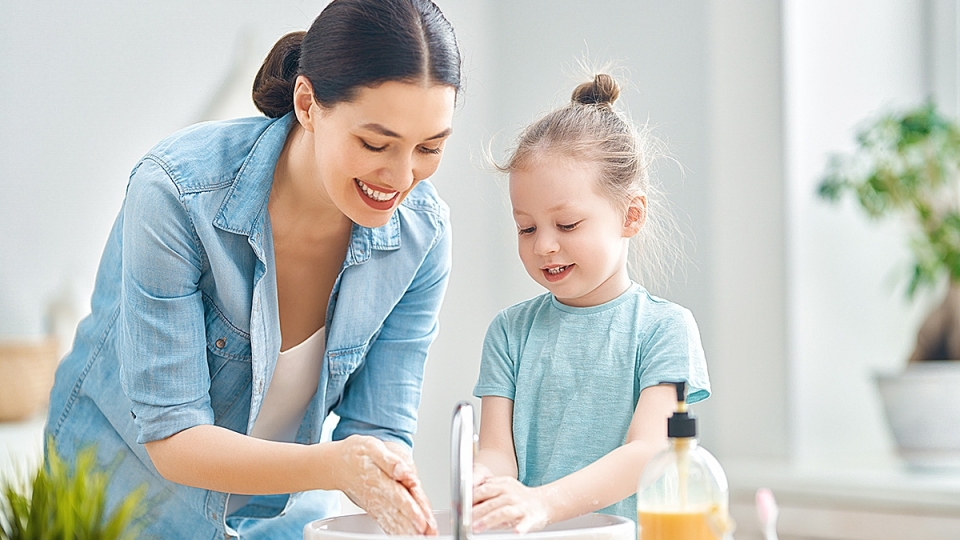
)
(427, 150)
(569, 227)
(527, 230)
(372, 148)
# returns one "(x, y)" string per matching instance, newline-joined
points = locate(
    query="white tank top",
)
(294, 383)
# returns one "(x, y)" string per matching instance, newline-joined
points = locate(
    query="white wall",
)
(793, 296)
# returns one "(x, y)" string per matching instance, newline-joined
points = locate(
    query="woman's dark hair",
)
(354, 44)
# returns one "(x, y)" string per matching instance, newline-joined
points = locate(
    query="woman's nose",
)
(399, 174)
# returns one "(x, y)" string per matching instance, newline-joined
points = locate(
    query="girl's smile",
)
(556, 273)
(572, 240)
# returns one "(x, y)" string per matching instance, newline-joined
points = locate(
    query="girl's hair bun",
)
(602, 90)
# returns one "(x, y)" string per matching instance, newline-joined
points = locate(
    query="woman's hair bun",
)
(602, 90)
(273, 85)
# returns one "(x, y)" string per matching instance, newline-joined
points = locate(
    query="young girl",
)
(573, 381)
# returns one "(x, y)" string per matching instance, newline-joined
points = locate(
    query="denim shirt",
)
(185, 330)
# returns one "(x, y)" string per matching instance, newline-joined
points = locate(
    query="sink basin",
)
(588, 527)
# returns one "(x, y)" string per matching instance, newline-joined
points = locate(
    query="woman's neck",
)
(299, 202)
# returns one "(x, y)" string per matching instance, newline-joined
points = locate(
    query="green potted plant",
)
(64, 502)
(908, 165)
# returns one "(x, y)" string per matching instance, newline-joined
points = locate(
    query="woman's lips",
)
(556, 273)
(376, 199)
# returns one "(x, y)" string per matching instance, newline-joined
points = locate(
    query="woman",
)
(265, 272)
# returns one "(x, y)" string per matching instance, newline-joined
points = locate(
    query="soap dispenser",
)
(683, 492)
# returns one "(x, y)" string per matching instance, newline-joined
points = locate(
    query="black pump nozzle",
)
(681, 424)
(681, 392)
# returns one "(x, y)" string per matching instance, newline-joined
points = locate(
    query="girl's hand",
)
(383, 483)
(502, 502)
(481, 473)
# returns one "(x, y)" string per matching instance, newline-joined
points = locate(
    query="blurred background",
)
(799, 302)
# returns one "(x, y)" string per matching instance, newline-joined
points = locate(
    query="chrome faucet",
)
(462, 440)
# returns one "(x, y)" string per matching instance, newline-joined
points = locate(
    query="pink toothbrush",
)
(767, 512)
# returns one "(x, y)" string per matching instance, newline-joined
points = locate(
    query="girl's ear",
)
(303, 102)
(636, 216)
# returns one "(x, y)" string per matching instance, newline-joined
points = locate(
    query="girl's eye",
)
(569, 227)
(372, 148)
(528, 230)
(427, 150)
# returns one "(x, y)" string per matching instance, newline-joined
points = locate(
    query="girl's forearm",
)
(600, 484)
(215, 458)
(500, 463)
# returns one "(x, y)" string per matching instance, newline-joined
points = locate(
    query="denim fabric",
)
(185, 331)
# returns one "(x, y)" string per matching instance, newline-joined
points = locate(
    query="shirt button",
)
(221, 343)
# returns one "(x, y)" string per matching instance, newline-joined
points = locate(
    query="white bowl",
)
(588, 527)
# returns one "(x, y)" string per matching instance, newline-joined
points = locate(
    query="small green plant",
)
(64, 502)
(909, 165)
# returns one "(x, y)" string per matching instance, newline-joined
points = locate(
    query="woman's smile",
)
(376, 197)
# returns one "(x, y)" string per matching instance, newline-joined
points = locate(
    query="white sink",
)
(588, 527)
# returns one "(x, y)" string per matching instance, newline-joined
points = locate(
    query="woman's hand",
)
(502, 502)
(384, 483)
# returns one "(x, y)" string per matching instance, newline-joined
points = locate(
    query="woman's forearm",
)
(600, 484)
(215, 458)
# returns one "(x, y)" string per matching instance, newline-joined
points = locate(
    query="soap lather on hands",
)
(381, 478)
(504, 502)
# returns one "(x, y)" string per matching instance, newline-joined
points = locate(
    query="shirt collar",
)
(244, 209)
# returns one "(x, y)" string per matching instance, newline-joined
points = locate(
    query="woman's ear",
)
(636, 216)
(303, 102)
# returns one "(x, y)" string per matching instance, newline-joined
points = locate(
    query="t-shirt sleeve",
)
(497, 366)
(671, 351)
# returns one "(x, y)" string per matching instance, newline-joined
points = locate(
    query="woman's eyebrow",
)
(378, 128)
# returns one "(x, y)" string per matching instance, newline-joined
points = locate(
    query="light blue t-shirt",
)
(575, 375)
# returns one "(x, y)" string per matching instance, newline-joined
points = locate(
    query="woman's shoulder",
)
(424, 197)
(209, 154)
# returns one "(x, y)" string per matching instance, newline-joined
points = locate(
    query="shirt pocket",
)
(230, 362)
(343, 362)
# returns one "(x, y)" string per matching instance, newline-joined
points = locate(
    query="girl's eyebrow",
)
(378, 128)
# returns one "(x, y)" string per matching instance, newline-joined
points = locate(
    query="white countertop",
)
(868, 482)
(21, 444)
(852, 498)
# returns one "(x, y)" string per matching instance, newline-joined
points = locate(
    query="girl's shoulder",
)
(652, 311)
(525, 310)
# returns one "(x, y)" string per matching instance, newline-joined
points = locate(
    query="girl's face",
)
(572, 240)
(372, 151)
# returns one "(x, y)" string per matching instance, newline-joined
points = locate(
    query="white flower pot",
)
(922, 406)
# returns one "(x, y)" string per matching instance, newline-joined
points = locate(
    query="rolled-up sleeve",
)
(163, 367)
(381, 399)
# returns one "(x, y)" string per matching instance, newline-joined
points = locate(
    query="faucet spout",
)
(462, 439)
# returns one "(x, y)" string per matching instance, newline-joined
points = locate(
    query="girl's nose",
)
(545, 244)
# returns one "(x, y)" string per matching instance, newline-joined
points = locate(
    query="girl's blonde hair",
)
(588, 129)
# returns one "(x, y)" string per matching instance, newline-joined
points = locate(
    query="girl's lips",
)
(555, 276)
(367, 195)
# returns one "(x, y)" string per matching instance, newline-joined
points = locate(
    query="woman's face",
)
(372, 151)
